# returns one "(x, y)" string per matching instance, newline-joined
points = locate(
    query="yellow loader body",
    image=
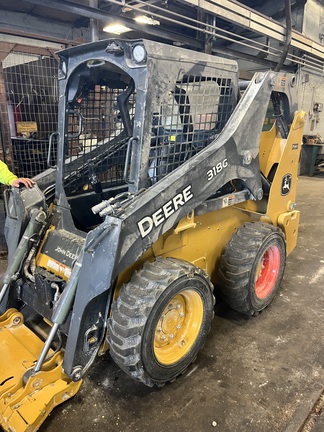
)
(152, 208)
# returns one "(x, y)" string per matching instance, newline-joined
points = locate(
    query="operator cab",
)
(131, 120)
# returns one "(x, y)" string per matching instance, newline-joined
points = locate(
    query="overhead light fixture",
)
(144, 19)
(116, 28)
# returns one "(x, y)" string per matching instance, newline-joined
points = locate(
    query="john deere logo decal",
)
(286, 184)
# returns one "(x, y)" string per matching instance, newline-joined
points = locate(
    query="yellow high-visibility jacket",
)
(6, 176)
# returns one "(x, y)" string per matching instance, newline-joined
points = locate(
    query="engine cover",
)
(59, 251)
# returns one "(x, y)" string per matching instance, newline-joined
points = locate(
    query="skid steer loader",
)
(162, 186)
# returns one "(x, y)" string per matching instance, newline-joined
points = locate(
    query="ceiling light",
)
(144, 19)
(116, 28)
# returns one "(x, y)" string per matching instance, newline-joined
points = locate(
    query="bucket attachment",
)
(26, 401)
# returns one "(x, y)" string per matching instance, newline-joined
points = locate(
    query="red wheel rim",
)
(267, 272)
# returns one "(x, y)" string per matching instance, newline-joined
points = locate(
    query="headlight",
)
(139, 53)
(62, 69)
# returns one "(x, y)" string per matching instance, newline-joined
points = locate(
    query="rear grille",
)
(194, 113)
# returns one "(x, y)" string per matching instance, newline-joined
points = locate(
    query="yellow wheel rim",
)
(178, 327)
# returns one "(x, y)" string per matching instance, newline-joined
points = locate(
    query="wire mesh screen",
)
(193, 115)
(99, 127)
(32, 97)
(28, 108)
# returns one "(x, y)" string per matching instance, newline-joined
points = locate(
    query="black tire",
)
(251, 267)
(160, 320)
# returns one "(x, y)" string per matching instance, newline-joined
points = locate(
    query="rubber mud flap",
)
(24, 407)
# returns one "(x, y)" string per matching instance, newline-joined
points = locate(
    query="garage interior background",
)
(32, 31)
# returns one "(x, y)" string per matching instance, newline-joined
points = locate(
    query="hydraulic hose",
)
(288, 36)
(34, 227)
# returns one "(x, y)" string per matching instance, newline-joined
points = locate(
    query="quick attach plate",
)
(25, 406)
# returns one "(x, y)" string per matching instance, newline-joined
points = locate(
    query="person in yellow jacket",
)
(10, 179)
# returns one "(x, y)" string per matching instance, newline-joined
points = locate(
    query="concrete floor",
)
(261, 374)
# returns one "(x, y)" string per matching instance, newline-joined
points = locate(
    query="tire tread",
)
(236, 263)
(131, 310)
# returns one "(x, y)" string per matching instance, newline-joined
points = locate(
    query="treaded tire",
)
(251, 267)
(160, 320)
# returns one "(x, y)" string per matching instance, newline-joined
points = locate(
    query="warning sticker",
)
(228, 200)
(59, 268)
(26, 127)
(283, 80)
